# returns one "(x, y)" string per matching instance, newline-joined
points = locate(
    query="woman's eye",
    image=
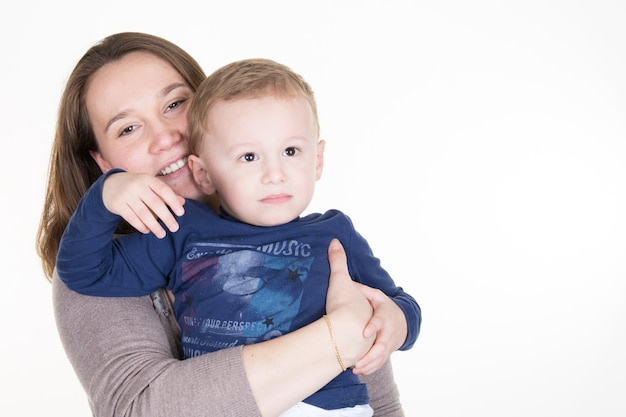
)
(291, 151)
(175, 104)
(127, 130)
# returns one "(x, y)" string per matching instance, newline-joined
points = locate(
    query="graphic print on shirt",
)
(240, 297)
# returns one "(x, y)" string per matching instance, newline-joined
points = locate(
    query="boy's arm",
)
(91, 262)
(398, 317)
(366, 269)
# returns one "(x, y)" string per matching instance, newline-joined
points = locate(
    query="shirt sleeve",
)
(366, 268)
(91, 261)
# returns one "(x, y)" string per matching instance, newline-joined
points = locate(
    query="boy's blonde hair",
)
(248, 78)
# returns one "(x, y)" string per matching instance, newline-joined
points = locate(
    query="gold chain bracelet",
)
(332, 339)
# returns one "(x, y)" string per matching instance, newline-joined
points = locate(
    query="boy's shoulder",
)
(198, 207)
(331, 215)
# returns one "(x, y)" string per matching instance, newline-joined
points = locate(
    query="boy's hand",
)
(142, 200)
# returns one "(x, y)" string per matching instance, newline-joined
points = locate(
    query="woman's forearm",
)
(294, 365)
(306, 358)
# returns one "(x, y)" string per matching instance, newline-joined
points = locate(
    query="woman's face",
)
(138, 109)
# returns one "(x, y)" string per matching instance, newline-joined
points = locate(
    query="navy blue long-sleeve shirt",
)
(234, 283)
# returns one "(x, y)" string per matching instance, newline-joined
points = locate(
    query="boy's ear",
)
(200, 174)
(319, 164)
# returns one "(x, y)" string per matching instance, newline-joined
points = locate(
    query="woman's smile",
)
(174, 166)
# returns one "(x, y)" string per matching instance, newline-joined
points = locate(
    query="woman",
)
(125, 106)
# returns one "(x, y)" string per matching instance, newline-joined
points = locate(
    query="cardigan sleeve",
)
(383, 392)
(129, 366)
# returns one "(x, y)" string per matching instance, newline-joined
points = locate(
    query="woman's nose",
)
(166, 134)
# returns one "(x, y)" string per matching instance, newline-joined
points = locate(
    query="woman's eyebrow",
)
(168, 89)
(114, 119)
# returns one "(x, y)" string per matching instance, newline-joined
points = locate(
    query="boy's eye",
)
(248, 157)
(291, 151)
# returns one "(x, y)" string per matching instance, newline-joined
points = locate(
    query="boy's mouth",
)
(174, 166)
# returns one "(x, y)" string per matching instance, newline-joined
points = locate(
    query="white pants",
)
(307, 410)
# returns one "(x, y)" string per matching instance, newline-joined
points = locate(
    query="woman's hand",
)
(348, 309)
(142, 200)
(388, 324)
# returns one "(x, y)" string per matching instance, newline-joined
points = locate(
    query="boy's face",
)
(263, 157)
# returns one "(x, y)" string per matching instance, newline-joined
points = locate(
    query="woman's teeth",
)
(174, 166)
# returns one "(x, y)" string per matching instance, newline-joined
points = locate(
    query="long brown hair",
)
(72, 169)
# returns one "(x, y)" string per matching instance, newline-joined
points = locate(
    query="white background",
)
(479, 145)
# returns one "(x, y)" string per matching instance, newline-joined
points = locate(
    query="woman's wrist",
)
(274, 380)
(347, 337)
(334, 343)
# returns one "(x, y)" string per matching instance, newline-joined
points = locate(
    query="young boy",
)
(254, 271)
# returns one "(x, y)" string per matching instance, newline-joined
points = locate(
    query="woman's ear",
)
(102, 163)
(200, 174)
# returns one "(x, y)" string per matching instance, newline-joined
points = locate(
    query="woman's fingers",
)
(388, 323)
